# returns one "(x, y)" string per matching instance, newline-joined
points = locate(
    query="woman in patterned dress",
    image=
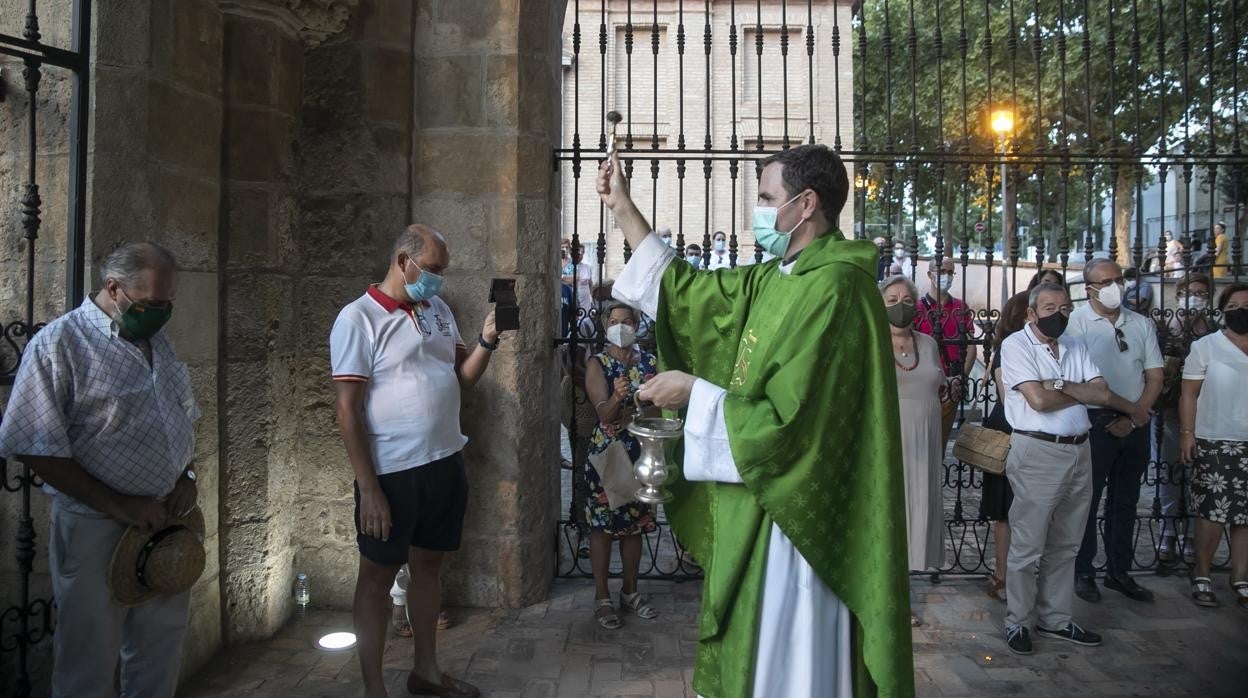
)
(611, 379)
(1213, 436)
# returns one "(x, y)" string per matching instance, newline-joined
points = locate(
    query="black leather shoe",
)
(1085, 588)
(1128, 587)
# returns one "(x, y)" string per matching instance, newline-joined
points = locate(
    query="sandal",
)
(608, 620)
(1241, 594)
(444, 620)
(996, 587)
(914, 620)
(636, 603)
(1202, 592)
(402, 627)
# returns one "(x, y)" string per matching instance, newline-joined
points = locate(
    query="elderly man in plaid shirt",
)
(102, 411)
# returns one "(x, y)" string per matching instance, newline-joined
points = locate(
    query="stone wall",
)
(456, 133)
(153, 169)
(353, 190)
(263, 67)
(277, 147)
(487, 119)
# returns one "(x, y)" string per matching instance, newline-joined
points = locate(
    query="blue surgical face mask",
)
(765, 233)
(720, 245)
(426, 286)
(695, 260)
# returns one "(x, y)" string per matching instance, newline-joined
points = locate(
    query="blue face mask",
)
(695, 260)
(719, 245)
(765, 233)
(426, 286)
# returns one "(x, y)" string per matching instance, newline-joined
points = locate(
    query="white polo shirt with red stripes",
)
(405, 353)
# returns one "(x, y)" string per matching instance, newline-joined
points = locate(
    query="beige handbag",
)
(982, 448)
(615, 468)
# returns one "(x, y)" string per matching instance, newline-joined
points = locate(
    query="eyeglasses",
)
(421, 323)
(1121, 339)
(1102, 284)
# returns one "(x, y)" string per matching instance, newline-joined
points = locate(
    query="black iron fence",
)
(1004, 135)
(28, 622)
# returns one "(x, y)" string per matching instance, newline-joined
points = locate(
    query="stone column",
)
(353, 191)
(264, 44)
(487, 117)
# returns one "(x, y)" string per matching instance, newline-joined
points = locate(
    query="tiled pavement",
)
(1168, 648)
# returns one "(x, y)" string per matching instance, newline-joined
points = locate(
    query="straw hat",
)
(167, 562)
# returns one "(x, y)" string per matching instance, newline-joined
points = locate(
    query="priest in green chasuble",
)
(791, 493)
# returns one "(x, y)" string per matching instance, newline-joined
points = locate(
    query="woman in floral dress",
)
(611, 379)
(1213, 436)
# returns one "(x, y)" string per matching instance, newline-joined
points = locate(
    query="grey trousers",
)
(1052, 486)
(93, 634)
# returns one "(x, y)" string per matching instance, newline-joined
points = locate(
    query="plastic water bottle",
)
(301, 594)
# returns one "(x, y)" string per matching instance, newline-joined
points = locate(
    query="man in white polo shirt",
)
(1049, 380)
(398, 364)
(1123, 344)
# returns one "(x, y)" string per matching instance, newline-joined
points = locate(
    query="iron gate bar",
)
(953, 163)
(33, 616)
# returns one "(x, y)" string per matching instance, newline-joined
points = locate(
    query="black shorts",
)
(427, 506)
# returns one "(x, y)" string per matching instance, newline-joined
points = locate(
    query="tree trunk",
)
(1124, 206)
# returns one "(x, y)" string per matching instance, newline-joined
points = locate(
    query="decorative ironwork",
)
(26, 623)
(1113, 105)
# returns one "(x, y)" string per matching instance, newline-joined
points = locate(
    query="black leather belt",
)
(1054, 438)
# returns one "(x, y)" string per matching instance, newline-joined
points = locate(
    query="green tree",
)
(1105, 82)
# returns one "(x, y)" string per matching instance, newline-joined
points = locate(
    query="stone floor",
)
(1168, 648)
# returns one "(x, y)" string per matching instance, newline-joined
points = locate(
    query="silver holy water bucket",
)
(652, 468)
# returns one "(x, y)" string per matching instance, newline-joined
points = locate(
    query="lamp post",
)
(1003, 126)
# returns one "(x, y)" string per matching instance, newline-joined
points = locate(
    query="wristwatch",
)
(1059, 384)
(485, 344)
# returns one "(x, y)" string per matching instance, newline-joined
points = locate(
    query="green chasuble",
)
(812, 419)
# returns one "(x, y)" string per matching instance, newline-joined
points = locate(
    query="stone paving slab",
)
(555, 650)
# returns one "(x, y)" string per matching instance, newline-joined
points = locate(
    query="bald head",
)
(424, 246)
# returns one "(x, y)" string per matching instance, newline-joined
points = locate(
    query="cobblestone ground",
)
(1167, 648)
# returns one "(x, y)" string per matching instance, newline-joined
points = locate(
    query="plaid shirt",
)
(957, 322)
(84, 392)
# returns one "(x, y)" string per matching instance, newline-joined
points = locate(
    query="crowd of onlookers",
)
(1082, 392)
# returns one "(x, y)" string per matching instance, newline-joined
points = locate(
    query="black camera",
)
(506, 311)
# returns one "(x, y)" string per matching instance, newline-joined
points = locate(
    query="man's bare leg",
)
(371, 615)
(424, 602)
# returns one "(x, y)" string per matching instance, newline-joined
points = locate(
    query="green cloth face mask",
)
(142, 321)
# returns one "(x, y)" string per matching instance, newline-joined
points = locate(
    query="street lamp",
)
(1003, 126)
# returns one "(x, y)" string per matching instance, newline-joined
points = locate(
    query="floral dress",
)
(633, 517)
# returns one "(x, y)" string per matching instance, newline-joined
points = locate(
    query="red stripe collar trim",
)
(389, 304)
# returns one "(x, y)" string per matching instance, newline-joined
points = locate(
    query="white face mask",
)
(944, 283)
(1190, 302)
(1110, 296)
(622, 335)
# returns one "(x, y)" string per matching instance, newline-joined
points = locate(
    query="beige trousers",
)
(93, 634)
(1052, 486)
